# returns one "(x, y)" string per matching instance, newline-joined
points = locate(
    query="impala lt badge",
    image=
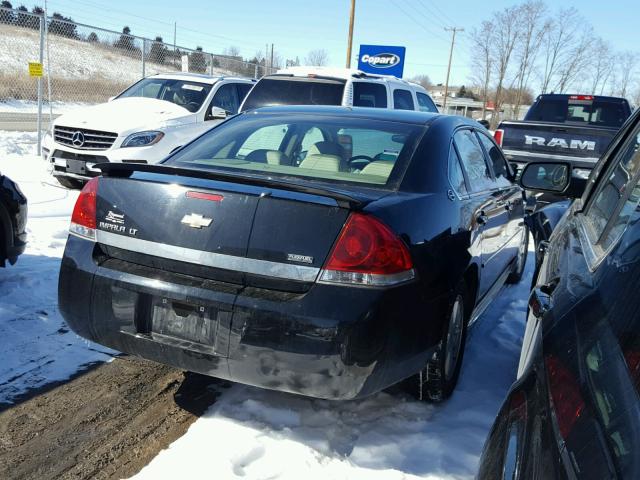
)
(195, 220)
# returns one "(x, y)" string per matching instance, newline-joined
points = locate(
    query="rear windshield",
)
(294, 91)
(309, 147)
(596, 112)
(189, 95)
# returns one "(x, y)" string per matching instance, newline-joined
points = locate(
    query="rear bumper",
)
(331, 342)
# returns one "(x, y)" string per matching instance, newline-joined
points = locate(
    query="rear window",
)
(596, 112)
(294, 91)
(367, 94)
(317, 148)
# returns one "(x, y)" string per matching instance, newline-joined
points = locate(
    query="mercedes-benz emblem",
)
(77, 139)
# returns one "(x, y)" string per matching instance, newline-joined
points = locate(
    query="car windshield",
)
(187, 94)
(338, 149)
(592, 111)
(295, 91)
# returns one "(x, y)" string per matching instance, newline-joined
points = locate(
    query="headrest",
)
(326, 148)
(327, 163)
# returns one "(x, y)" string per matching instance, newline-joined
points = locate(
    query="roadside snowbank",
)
(29, 106)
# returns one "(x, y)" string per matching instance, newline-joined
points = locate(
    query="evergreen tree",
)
(158, 51)
(5, 15)
(197, 61)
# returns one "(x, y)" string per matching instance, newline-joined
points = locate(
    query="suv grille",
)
(84, 139)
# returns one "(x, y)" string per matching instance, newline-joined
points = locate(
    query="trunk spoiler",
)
(127, 169)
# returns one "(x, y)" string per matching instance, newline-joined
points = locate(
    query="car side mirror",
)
(484, 123)
(218, 113)
(552, 177)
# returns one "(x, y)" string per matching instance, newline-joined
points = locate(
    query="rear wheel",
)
(521, 260)
(70, 183)
(436, 381)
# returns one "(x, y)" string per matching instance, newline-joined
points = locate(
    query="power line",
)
(447, 19)
(101, 16)
(430, 32)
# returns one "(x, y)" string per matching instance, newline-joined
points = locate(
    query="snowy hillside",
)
(73, 58)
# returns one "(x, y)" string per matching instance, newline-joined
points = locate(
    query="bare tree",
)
(602, 64)
(627, 64)
(317, 58)
(534, 27)
(423, 80)
(576, 61)
(231, 51)
(504, 37)
(635, 96)
(482, 60)
(558, 43)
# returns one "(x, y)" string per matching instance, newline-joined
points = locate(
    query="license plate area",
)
(77, 166)
(184, 324)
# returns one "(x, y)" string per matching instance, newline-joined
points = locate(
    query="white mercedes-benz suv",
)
(143, 124)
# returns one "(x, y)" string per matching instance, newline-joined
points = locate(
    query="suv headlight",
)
(142, 139)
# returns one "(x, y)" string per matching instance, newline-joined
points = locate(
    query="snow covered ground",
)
(248, 432)
(76, 59)
(37, 347)
(258, 434)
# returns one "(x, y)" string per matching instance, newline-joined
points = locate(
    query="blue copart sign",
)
(380, 59)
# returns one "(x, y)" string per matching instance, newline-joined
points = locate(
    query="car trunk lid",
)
(250, 231)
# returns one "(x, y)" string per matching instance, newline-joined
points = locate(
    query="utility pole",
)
(446, 84)
(271, 61)
(350, 41)
(175, 30)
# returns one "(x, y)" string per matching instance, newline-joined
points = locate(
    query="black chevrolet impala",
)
(325, 251)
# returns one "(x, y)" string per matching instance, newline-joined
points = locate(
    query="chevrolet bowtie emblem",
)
(196, 220)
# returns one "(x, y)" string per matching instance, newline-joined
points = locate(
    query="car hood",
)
(125, 115)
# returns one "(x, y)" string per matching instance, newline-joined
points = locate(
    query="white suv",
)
(143, 124)
(337, 86)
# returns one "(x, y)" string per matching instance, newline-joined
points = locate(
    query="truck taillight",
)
(367, 252)
(498, 135)
(83, 219)
(581, 97)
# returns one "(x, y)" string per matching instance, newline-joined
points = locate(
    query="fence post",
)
(39, 148)
(211, 64)
(144, 45)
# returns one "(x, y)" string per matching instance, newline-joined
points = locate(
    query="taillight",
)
(581, 97)
(498, 135)
(367, 252)
(83, 219)
(565, 395)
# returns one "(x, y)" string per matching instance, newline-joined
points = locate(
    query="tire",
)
(437, 380)
(521, 260)
(70, 183)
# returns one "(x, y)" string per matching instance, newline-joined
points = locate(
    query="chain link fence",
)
(86, 65)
